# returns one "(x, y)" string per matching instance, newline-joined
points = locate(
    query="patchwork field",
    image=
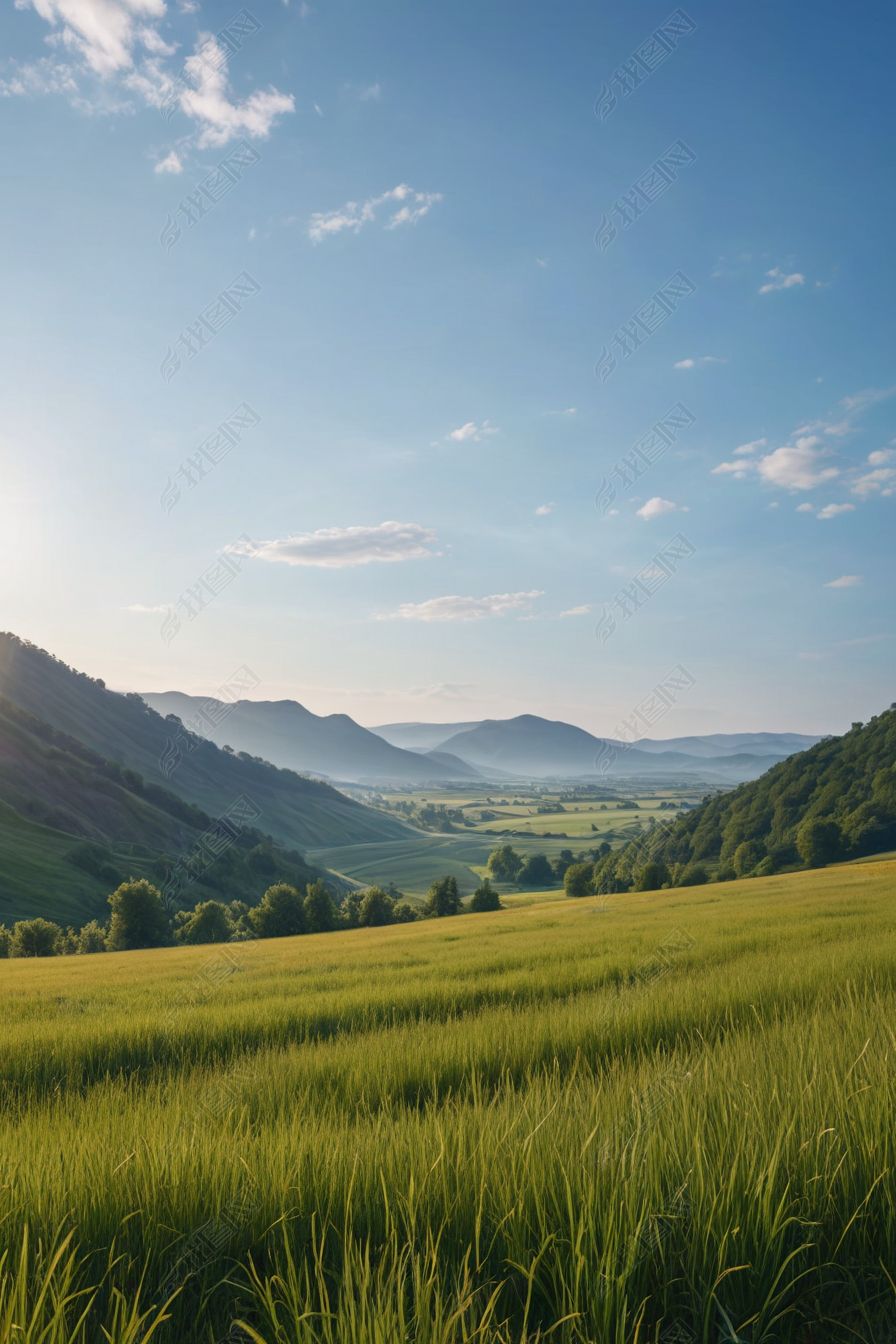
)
(628, 1119)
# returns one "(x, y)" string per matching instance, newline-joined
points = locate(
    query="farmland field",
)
(608, 1121)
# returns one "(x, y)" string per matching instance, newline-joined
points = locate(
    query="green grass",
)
(570, 1121)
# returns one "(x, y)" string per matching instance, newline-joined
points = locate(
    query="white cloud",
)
(657, 506)
(170, 164)
(805, 508)
(472, 432)
(777, 279)
(693, 363)
(411, 206)
(118, 43)
(845, 581)
(880, 456)
(736, 469)
(342, 547)
(583, 610)
(832, 510)
(745, 449)
(544, 509)
(464, 608)
(798, 467)
(140, 609)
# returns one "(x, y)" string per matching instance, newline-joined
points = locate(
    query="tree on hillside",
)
(320, 911)
(5, 940)
(748, 855)
(652, 876)
(376, 909)
(485, 898)
(35, 938)
(208, 922)
(818, 841)
(280, 913)
(443, 898)
(504, 863)
(92, 938)
(536, 872)
(577, 880)
(139, 918)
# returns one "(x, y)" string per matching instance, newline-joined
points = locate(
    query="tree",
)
(443, 898)
(694, 876)
(652, 876)
(35, 938)
(5, 940)
(377, 908)
(405, 913)
(536, 872)
(818, 841)
(209, 922)
(92, 937)
(504, 863)
(139, 918)
(577, 880)
(748, 855)
(320, 912)
(485, 898)
(280, 913)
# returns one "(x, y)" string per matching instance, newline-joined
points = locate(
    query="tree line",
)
(139, 917)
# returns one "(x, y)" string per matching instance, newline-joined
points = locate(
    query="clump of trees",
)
(140, 918)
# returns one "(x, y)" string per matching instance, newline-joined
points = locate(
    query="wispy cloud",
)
(401, 205)
(455, 608)
(343, 547)
(583, 610)
(140, 609)
(544, 509)
(170, 164)
(117, 44)
(371, 93)
(845, 581)
(695, 361)
(745, 449)
(834, 511)
(473, 432)
(776, 279)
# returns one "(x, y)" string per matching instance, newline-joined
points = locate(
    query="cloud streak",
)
(346, 547)
(401, 204)
(455, 608)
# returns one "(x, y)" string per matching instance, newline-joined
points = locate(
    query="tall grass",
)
(537, 1125)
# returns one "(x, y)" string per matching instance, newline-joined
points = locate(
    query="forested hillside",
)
(835, 801)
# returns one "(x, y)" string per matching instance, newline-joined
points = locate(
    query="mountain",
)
(73, 826)
(730, 744)
(297, 812)
(421, 736)
(544, 748)
(287, 734)
(848, 784)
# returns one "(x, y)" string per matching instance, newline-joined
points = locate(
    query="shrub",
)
(280, 913)
(139, 918)
(443, 898)
(485, 898)
(35, 938)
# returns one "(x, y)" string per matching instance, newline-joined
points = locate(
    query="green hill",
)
(121, 728)
(835, 801)
(72, 826)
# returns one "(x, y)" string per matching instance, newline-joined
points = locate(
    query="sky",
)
(437, 362)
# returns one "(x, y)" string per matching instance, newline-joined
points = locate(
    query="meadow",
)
(661, 1117)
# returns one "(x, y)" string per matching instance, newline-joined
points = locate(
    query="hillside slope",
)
(297, 812)
(287, 734)
(73, 826)
(847, 782)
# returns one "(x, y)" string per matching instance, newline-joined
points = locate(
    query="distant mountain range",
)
(540, 748)
(431, 754)
(288, 734)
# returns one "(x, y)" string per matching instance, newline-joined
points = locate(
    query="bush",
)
(139, 918)
(443, 898)
(694, 876)
(5, 939)
(747, 857)
(209, 922)
(92, 938)
(819, 841)
(485, 898)
(578, 879)
(536, 872)
(35, 938)
(652, 876)
(376, 909)
(280, 913)
(320, 912)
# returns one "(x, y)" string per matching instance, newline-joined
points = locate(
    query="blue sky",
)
(435, 230)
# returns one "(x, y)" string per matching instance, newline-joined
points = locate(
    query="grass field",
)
(601, 1122)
